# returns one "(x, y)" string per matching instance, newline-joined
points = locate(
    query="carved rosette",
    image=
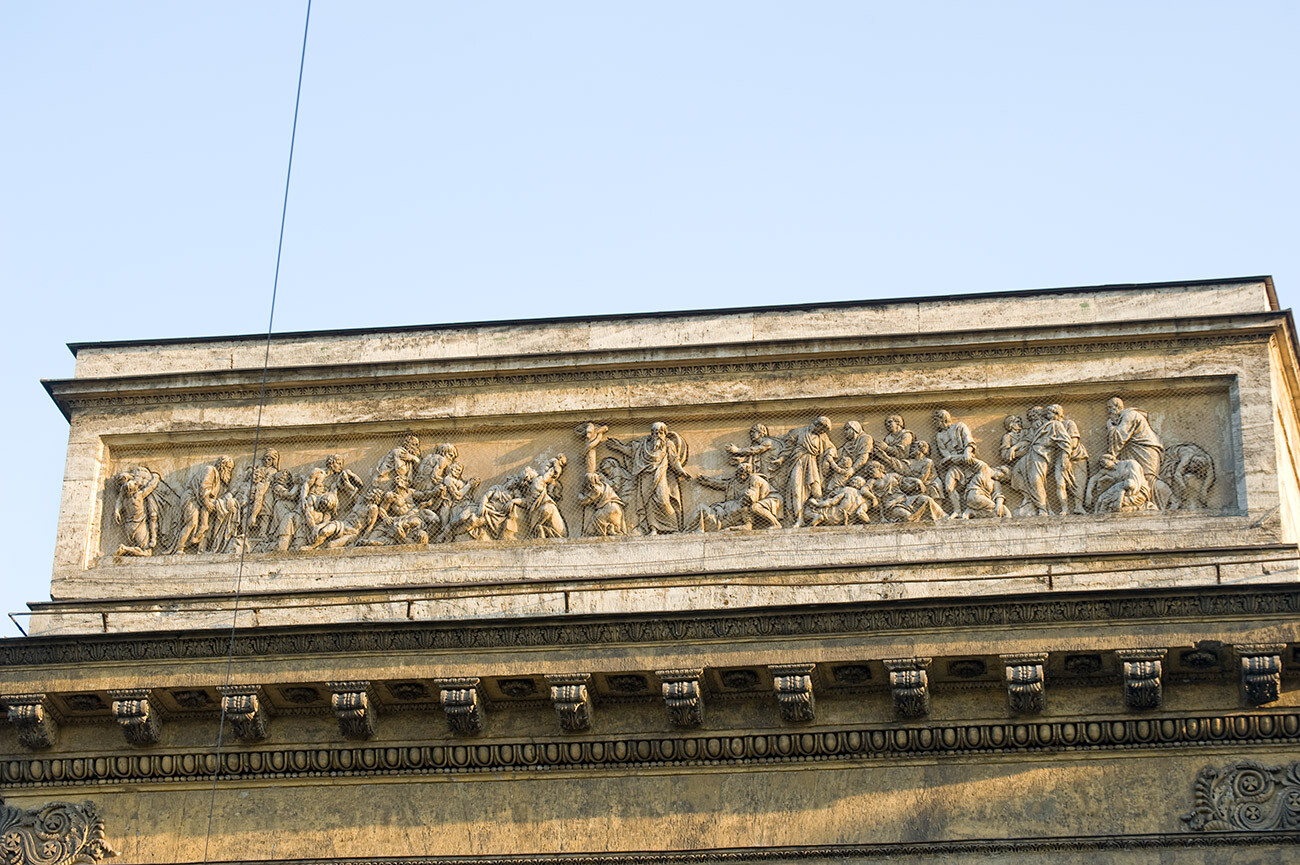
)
(909, 684)
(572, 700)
(683, 696)
(58, 833)
(1142, 669)
(794, 691)
(1246, 796)
(351, 704)
(244, 709)
(1261, 672)
(462, 704)
(137, 716)
(1026, 683)
(35, 719)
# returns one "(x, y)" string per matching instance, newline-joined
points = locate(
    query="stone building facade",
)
(998, 578)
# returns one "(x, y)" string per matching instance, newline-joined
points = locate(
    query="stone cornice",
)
(951, 850)
(681, 362)
(848, 619)
(989, 740)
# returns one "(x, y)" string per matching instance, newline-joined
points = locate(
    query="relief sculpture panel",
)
(849, 466)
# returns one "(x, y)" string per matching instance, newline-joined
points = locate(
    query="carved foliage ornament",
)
(1246, 796)
(58, 833)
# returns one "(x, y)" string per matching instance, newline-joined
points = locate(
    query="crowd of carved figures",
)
(802, 478)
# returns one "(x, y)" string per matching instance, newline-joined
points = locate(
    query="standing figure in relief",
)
(750, 502)
(434, 467)
(451, 493)
(1129, 436)
(983, 496)
(257, 525)
(1071, 469)
(544, 518)
(849, 505)
(658, 462)
(358, 522)
(763, 455)
(286, 518)
(200, 500)
(401, 462)
(1048, 452)
(1015, 444)
(602, 508)
(808, 452)
(955, 448)
(136, 510)
(1121, 485)
(1186, 477)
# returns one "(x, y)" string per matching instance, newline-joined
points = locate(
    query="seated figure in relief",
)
(136, 510)
(763, 455)
(1186, 478)
(399, 463)
(955, 446)
(358, 521)
(848, 505)
(1120, 485)
(983, 496)
(619, 478)
(602, 508)
(750, 502)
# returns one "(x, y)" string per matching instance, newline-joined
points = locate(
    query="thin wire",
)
(257, 431)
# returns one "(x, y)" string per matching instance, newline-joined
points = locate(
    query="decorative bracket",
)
(1261, 672)
(35, 720)
(138, 717)
(683, 696)
(58, 833)
(909, 682)
(351, 703)
(794, 691)
(462, 704)
(1142, 668)
(572, 700)
(244, 709)
(1026, 683)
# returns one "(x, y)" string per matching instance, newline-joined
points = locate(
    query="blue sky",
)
(463, 161)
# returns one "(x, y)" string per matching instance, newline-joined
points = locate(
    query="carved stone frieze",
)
(352, 707)
(462, 704)
(805, 477)
(909, 684)
(138, 717)
(58, 833)
(683, 696)
(35, 720)
(245, 709)
(1142, 670)
(1026, 683)
(1261, 672)
(572, 700)
(794, 691)
(1246, 796)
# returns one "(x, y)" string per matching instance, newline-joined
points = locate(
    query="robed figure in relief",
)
(658, 462)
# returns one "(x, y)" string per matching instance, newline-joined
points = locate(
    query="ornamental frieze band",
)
(1043, 464)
